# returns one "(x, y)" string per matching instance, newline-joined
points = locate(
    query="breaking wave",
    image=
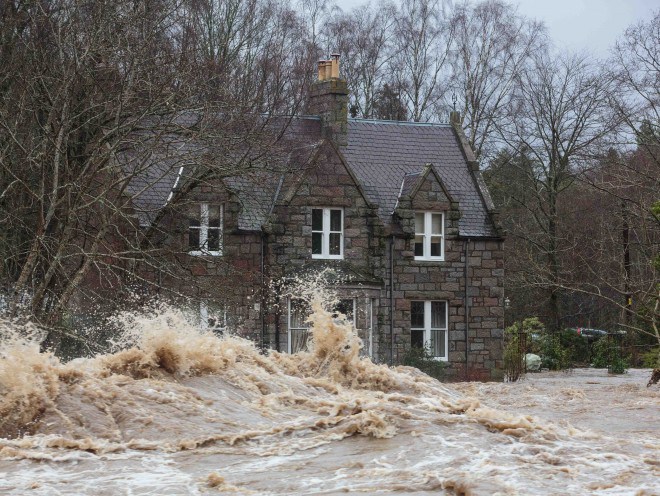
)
(176, 410)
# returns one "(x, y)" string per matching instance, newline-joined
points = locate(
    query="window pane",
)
(214, 216)
(438, 343)
(335, 220)
(213, 240)
(438, 314)
(335, 242)
(299, 338)
(193, 237)
(345, 306)
(317, 243)
(417, 314)
(317, 219)
(419, 223)
(419, 246)
(436, 223)
(299, 313)
(436, 247)
(417, 338)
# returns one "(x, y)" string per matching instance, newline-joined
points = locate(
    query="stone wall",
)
(234, 280)
(229, 284)
(327, 183)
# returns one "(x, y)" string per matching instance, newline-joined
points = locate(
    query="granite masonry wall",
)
(234, 280)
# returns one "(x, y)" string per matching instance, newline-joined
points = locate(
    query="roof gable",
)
(330, 147)
(382, 153)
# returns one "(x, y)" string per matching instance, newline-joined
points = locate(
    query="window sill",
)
(429, 259)
(205, 253)
(328, 257)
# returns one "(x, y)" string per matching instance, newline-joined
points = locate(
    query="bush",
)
(650, 358)
(547, 345)
(514, 353)
(553, 355)
(422, 359)
(576, 347)
(607, 353)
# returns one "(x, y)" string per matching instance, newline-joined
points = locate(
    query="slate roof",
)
(256, 187)
(381, 153)
(151, 185)
(387, 158)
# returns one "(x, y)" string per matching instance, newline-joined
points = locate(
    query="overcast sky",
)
(591, 25)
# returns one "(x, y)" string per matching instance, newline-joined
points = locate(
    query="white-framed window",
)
(429, 236)
(298, 327)
(346, 307)
(214, 320)
(428, 327)
(205, 229)
(327, 233)
(366, 333)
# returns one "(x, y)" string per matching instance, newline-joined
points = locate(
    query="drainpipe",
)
(263, 293)
(467, 307)
(263, 278)
(392, 301)
(278, 314)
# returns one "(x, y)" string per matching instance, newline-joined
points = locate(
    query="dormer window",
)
(429, 236)
(327, 233)
(205, 230)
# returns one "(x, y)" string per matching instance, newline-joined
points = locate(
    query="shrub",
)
(650, 358)
(422, 359)
(547, 345)
(553, 355)
(576, 347)
(514, 353)
(607, 353)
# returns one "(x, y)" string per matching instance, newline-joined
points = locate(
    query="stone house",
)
(397, 210)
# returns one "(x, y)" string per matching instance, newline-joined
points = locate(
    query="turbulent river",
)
(179, 411)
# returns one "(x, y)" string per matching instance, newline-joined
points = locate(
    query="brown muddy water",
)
(179, 411)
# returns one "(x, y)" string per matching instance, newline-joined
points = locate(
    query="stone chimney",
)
(329, 100)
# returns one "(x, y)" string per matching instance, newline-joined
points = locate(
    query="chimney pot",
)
(321, 70)
(335, 65)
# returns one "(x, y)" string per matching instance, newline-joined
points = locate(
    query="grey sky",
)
(591, 25)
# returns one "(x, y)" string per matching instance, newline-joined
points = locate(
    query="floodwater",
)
(179, 411)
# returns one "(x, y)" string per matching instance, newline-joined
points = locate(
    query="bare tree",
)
(636, 66)
(561, 116)
(492, 44)
(95, 95)
(421, 66)
(365, 39)
(631, 179)
(248, 51)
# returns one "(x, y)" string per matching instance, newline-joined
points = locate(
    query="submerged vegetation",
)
(566, 349)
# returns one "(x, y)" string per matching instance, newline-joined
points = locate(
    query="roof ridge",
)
(401, 123)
